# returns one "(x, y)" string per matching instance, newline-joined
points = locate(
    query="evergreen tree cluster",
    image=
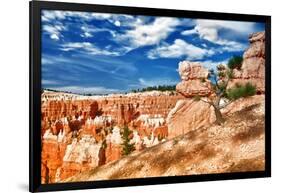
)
(157, 88)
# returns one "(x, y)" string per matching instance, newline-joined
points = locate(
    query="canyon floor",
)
(235, 146)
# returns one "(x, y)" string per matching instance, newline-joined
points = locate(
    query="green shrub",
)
(222, 86)
(235, 62)
(241, 91)
(221, 74)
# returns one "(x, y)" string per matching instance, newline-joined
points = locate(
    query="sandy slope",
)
(238, 145)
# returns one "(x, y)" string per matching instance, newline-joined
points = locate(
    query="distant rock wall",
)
(253, 65)
(122, 108)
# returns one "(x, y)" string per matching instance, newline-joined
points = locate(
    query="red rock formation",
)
(52, 159)
(94, 107)
(253, 66)
(63, 158)
(192, 71)
(254, 57)
(188, 115)
(114, 145)
(122, 108)
(194, 80)
(161, 132)
(80, 156)
(95, 116)
(113, 152)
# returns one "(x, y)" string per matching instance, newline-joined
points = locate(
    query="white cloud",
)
(54, 37)
(232, 46)
(115, 19)
(117, 23)
(212, 64)
(139, 30)
(238, 26)
(101, 16)
(48, 15)
(148, 34)
(88, 48)
(179, 48)
(209, 30)
(77, 14)
(87, 35)
(204, 45)
(85, 90)
(140, 34)
(155, 82)
(189, 32)
(88, 31)
(54, 31)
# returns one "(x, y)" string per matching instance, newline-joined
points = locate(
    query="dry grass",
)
(253, 164)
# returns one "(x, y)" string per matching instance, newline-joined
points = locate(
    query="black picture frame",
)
(35, 95)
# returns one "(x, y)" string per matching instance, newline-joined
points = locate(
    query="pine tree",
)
(235, 62)
(127, 146)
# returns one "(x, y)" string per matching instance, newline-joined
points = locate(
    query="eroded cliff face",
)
(253, 66)
(79, 133)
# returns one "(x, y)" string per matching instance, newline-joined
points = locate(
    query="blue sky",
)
(100, 53)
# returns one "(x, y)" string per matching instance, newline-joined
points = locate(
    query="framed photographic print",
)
(125, 96)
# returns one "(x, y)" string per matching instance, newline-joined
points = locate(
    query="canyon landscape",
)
(209, 121)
